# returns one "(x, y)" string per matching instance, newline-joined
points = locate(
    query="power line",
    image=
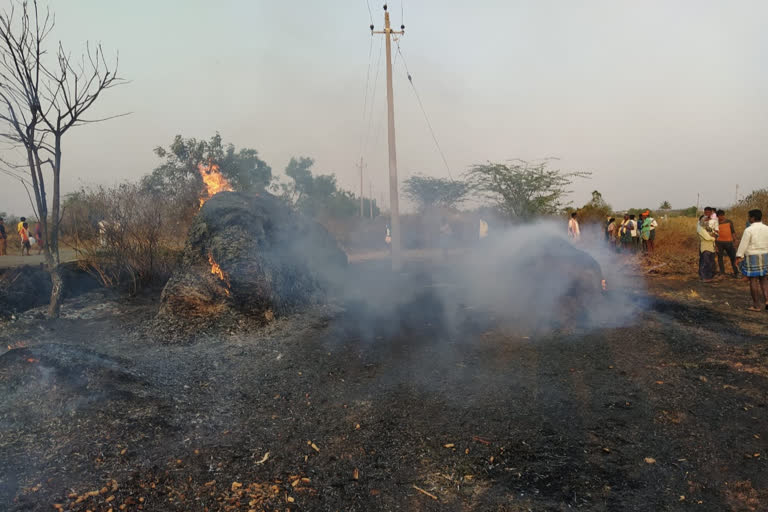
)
(370, 14)
(365, 100)
(423, 111)
(373, 97)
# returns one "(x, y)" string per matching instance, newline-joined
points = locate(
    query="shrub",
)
(126, 236)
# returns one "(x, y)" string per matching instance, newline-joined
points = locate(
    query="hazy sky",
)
(659, 99)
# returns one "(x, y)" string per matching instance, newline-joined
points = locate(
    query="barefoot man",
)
(752, 258)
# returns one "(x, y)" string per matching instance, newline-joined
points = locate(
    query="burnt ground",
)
(359, 409)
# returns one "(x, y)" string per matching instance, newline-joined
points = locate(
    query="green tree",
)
(523, 189)
(317, 195)
(691, 211)
(665, 206)
(178, 172)
(429, 192)
(596, 209)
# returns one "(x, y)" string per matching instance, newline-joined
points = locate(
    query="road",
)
(14, 260)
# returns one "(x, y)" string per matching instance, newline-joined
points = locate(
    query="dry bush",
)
(126, 236)
(758, 199)
(676, 247)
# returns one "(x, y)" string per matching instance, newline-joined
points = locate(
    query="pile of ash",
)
(249, 256)
(29, 286)
(48, 380)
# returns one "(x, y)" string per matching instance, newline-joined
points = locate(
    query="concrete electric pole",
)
(394, 208)
(370, 198)
(361, 186)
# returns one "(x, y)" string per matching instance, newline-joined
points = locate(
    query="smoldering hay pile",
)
(250, 256)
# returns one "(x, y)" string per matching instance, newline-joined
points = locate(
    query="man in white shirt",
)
(752, 259)
(573, 228)
(635, 234)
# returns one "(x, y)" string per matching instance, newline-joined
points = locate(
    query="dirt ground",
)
(16, 260)
(354, 409)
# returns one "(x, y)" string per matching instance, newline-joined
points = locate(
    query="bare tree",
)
(40, 101)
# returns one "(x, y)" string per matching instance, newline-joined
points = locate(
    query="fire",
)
(32, 360)
(216, 270)
(214, 181)
(18, 344)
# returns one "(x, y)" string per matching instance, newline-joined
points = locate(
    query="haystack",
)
(251, 255)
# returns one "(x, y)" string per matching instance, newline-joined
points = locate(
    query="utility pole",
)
(394, 209)
(370, 197)
(736, 197)
(361, 186)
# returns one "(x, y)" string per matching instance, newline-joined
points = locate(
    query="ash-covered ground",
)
(377, 404)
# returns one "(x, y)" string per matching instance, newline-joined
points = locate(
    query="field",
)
(343, 409)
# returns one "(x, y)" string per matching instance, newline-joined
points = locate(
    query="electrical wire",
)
(373, 97)
(423, 111)
(365, 100)
(370, 14)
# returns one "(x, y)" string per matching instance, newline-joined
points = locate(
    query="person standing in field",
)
(648, 231)
(711, 225)
(706, 251)
(752, 257)
(24, 234)
(611, 230)
(3, 238)
(625, 233)
(483, 232)
(20, 231)
(725, 243)
(574, 233)
(635, 234)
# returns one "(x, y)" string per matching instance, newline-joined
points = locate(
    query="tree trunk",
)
(52, 255)
(57, 292)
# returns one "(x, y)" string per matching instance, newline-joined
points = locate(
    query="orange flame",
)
(216, 270)
(214, 181)
(32, 360)
(18, 344)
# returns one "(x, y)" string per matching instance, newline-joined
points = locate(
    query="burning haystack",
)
(250, 255)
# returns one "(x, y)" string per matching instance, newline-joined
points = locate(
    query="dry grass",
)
(677, 247)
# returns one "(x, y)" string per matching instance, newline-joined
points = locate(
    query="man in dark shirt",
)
(3, 238)
(725, 244)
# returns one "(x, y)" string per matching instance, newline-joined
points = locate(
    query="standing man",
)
(625, 234)
(712, 224)
(574, 233)
(706, 251)
(648, 231)
(612, 230)
(24, 234)
(725, 243)
(635, 233)
(752, 257)
(3, 238)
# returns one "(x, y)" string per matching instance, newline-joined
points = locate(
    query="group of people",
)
(717, 238)
(631, 234)
(717, 235)
(628, 235)
(26, 240)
